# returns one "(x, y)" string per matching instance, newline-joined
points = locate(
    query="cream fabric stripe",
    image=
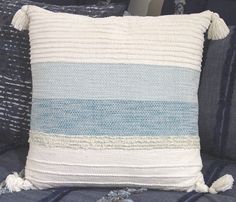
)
(56, 165)
(123, 45)
(176, 157)
(114, 142)
(68, 42)
(41, 181)
(183, 185)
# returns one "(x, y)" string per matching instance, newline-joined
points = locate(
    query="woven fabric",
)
(113, 104)
(15, 73)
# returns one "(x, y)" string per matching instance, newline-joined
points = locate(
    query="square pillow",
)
(115, 100)
(15, 74)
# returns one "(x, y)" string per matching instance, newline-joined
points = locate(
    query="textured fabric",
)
(96, 75)
(15, 159)
(127, 142)
(67, 114)
(225, 8)
(97, 117)
(15, 74)
(217, 98)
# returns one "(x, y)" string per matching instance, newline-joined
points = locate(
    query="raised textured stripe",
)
(114, 142)
(114, 81)
(114, 117)
(113, 47)
(108, 166)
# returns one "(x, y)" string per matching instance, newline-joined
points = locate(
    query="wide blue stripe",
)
(114, 117)
(114, 81)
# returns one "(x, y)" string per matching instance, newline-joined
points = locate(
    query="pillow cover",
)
(225, 8)
(217, 98)
(113, 104)
(15, 74)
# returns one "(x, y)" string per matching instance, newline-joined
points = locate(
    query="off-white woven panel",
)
(165, 40)
(50, 167)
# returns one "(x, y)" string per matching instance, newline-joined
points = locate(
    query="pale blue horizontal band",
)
(114, 82)
(114, 117)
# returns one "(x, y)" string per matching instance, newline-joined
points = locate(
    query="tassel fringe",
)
(217, 29)
(20, 20)
(14, 183)
(222, 184)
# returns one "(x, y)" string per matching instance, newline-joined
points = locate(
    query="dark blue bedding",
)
(14, 160)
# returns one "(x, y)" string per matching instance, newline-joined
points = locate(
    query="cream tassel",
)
(14, 183)
(20, 20)
(222, 184)
(217, 29)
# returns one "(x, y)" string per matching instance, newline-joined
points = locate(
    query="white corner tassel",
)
(14, 183)
(20, 20)
(217, 29)
(222, 184)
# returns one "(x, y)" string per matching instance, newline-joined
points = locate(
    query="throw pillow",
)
(115, 100)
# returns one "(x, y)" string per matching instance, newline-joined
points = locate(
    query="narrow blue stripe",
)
(114, 117)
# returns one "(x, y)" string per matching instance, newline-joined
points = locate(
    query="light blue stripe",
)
(114, 82)
(114, 117)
